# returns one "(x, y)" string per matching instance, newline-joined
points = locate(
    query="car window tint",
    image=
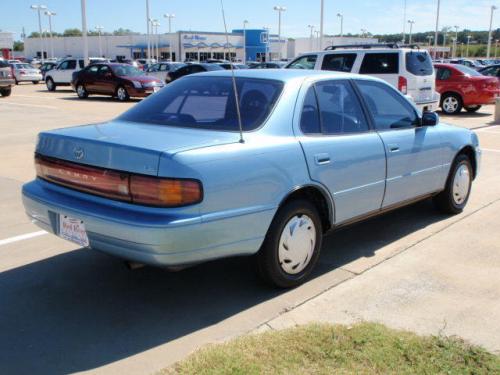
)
(419, 63)
(71, 64)
(388, 108)
(339, 62)
(380, 63)
(209, 103)
(163, 68)
(443, 74)
(340, 111)
(309, 119)
(492, 71)
(64, 65)
(104, 69)
(3, 64)
(93, 69)
(304, 62)
(81, 64)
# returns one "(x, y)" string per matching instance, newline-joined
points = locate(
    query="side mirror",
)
(430, 119)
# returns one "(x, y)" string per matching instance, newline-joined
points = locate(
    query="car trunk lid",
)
(125, 146)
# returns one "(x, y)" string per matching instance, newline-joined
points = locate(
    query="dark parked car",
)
(120, 80)
(192, 69)
(6, 78)
(227, 66)
(491, 71)
(268, 65)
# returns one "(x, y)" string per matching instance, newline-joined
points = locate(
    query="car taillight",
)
(132, 188)
(164, 192)
(403, 85)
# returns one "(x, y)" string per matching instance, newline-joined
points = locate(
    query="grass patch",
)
(365, 348)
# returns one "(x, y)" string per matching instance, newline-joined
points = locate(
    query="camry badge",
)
(79, 153)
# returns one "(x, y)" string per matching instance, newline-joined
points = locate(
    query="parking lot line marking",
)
(22, 237)
(489, 149)
(29, 105)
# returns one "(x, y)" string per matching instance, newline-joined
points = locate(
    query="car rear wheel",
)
(122, 94)
(51, 86)
(81, 91)
(451, 104)
(454, 197)
(292, 245)
(6, 91)
(473, 108)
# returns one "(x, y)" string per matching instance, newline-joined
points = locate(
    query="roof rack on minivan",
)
(374, 45)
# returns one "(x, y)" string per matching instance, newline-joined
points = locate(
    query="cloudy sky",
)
(383, 16)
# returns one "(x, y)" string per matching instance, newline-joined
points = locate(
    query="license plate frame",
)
(73, 230)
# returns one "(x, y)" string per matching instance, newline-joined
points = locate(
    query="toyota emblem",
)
(79, 153)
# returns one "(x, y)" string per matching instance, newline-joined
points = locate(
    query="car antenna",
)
(233, 78)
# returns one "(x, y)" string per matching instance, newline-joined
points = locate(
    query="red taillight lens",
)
(151, 191)
(403, 85)
(109, 184)
(164, 192)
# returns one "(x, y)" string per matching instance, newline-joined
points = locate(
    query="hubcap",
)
(50, 83)
(81, 90)
(297, 243)
(461, 184)
(450, 104)
(121, 93)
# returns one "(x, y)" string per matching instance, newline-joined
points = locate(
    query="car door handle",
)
(322, 159)
(393, 147)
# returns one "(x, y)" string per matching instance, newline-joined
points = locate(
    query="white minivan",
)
(407, 68)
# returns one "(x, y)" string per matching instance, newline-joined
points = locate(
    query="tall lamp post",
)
(148, 36)
(469, 37)
(404, 22)
(341, 16)
(49, 14)
(318, 33)
(429, 38)
(245, 23)
(154, 31)
(39, 8)
(455, 44)
(411, 30)
(437, 29)
(99, 30)
(488, 51)
(311, 36)
(321, 24)
(280, 10)
(84, 33)
(169, 16)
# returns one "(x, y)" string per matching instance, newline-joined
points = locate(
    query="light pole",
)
(318, 33)
(84, 33)
(280, 10)
(39, 8)
(311, 28)
(488, 51)
(49, 14)
(363, 33)
(469, 37)
(341, 16)
(445, 32)
(99, 30)
(266, 57)
(169, 16)
(154, 31)
(245, 23)
(404, 22)
(496, 48)
(411, 30)
(321, 25)
(429, 38)
(455, 44)
(148, 37)
(437, 29)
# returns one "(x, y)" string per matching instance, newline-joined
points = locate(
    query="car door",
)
(414, 153)
(105, 81)
(89, 77)
(341, 150)
(57, 74)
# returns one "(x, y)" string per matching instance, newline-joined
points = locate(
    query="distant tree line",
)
(78, 32)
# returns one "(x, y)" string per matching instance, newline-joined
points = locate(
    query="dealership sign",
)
(6, 40)
(194, 37)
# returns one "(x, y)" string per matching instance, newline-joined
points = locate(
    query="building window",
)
(231, 56)
(218, 55)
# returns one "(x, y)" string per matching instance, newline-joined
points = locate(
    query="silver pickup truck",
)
(6, 78)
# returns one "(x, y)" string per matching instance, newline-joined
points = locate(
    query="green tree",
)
(122, 31)
(18, 46)
(72, 32)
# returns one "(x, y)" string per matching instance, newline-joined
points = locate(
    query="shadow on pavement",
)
(100, 99)
(81, 310)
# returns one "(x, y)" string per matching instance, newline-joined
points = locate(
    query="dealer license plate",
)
(73, 230)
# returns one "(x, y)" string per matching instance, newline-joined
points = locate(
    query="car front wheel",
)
(451, 104)
(81, 91)
(51, 86)
(122, 94)
(292, 245)
(454, 197)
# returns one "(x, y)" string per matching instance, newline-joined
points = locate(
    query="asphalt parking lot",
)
(64, 309)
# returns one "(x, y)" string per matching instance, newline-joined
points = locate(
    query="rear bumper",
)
(29, 77)
(429, 105)
(6, 82)
(146, 235)
(482, 98)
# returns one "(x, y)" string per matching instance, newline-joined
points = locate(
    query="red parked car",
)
(463, 87)
(119, 80)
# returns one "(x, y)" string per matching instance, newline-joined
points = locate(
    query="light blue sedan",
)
(172, 182)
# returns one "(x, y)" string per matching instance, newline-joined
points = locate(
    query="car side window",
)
(443, 74)
(93, 69)
(304, 62)
(104, 69)
(340, 110)
(71, 64)
(196, 69)
(163, 68)
(388, 108)
(339, 62)
(64, 65)
(309, 119)
(81, 64)
(380, 63)
(492, 72)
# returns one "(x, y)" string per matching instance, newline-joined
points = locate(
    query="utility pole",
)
(148, 54)
(468, 42)
(84, 34)
(311, 28)
(99, 29)
(169, 16)
(49, 14)
(38, 8)
(488, 51)
(411, 29)
(321, 25)
(437, 28)
(404, 22)
(245, 23)
(341, 16)
(280, 10)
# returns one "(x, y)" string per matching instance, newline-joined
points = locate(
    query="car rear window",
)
(303, 62)
(419, 63)
(380, 63)
(209, 103)
(3, 64)
(339, 62)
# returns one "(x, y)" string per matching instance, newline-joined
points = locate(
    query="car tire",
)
(122, 94)
(16, 81)
(51, 85)
(292, 245)
(35, 82)
(6, 91)
(455, 196)
(81, 91)
(473, 108)
(451, 103)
